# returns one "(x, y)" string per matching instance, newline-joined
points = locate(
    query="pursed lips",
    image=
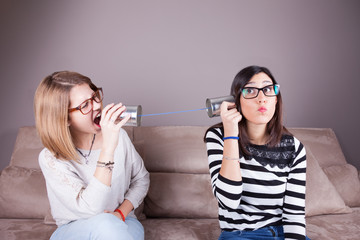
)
(262, 109)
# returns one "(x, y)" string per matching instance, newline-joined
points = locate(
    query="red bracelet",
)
(122, 215)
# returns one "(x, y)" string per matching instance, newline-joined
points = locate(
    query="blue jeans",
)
(266, 233)
(104, 226)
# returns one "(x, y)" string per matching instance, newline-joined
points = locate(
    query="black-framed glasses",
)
(86, 106)
(253, 92)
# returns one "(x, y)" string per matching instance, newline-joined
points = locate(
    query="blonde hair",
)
(51, 104)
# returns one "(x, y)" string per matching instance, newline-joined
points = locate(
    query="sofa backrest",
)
(176, 158)
(180, 184)
(28, 146)
(322, 142)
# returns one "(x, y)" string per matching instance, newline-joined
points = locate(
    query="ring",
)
(112, 120)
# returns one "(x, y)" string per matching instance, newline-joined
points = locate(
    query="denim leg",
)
(230, 235)
(135, 228)
(262, 233)
(104, 226)
(266, 233)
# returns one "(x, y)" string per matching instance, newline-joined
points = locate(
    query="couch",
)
(180, 203)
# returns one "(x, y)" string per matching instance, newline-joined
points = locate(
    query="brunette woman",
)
(258, 169)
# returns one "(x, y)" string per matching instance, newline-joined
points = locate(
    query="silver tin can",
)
(135, 115)
(213, 105)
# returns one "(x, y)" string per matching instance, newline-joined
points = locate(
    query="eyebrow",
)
(92, 95)
(252, 83)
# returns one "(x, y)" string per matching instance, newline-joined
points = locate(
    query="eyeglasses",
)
(86, 106)
(253, 92)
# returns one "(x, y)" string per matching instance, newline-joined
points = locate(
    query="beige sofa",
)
(180, 204)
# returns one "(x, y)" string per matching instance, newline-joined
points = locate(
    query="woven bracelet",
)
(106, 163)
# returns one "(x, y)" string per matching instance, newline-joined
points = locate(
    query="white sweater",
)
(75, 193)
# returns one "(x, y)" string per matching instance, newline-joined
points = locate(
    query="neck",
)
(84, 141)
(257, 134)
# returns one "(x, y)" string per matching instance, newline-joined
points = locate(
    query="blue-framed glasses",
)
(253, 92)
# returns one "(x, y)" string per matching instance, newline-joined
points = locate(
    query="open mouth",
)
(97, 119)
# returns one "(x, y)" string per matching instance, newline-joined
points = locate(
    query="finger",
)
(238, 118)
(123, 121)
(235, 117)
(232, 116)
(110, 113)
(116, 115)
(225, 106)
(232, 105)
(230, 113)
(104, 111)
(232, 110)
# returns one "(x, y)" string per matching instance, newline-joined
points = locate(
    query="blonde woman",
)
(94, 176)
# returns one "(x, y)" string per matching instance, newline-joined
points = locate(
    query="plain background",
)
(171, 55)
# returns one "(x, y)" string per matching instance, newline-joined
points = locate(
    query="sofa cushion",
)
(334, 226)
(26, 149)
(321, 195)
(346, 181)
(29, 229)
(178, 149)
(180, 195)
(180, 229)
(22, 193)
(323, 144)
(48, 219)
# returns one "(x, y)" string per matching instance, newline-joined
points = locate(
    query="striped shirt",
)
(272, 189)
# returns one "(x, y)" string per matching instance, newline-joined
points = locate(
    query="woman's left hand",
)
(115, 214)
(230, 117)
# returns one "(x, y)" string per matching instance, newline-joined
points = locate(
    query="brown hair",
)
(51, 104)
(275, 127)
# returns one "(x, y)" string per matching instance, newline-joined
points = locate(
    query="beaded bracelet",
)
(229, 158)
(108, 165)
(231, 137)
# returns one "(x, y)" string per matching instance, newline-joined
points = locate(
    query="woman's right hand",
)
(230, 118)
(110, 127)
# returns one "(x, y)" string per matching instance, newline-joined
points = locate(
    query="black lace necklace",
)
(87, 155)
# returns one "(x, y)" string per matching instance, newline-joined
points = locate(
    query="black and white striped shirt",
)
(272, 190)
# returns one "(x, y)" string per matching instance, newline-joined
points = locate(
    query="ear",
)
(69, 121)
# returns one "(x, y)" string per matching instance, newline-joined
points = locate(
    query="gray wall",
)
(171, 55)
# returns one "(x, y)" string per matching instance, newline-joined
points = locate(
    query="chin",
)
(97, 129)
(261, 120)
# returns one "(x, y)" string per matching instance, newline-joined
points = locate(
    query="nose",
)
(96, 105)
(261, 97)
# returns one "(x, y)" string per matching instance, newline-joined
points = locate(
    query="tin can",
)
(135, 115)
(213, 105)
